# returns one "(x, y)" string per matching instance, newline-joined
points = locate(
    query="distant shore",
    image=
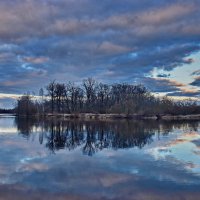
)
(125, 116)
(93, 116)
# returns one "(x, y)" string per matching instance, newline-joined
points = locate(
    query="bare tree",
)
(51, 88)
(26, 106)
(60, 92)
(41, 94)
(90, 86)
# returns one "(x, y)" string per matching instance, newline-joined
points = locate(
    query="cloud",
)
(36, 60)
(160, 84)
(196, 82)
(70, 40)
(163, 75)
(184, 94)
(13, 83)
(110, 48)
(189, 60)
(166, 14)
(196, 72)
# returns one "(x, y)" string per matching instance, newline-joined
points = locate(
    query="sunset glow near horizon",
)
(154, 43)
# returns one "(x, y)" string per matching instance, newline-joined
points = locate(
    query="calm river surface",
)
(79, 160)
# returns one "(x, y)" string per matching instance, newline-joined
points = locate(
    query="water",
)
(143, 160)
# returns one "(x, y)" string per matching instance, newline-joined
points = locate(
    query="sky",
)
(155, 43)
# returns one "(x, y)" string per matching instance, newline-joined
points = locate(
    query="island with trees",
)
(92, 99)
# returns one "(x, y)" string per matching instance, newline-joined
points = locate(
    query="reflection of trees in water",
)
(93, 136)
(25, 126)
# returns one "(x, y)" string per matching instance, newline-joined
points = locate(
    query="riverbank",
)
(124, 116)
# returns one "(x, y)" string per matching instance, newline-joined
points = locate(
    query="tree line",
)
(94, 97)
(6, 111)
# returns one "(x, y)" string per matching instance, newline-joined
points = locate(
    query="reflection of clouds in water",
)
(197, 152)
(197, 143)
(33, 157)
(116, 171)
(168, 172)
(159, 152)
(183, 150)
(16, 155)
(23, 192)
(7, 125)
(32, 167)
(11, 130)
(108, 180)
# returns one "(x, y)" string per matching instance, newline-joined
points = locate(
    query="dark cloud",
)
(109, 40)
(160, 84)
(196, 82)
(197, 72)
(163, 75)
